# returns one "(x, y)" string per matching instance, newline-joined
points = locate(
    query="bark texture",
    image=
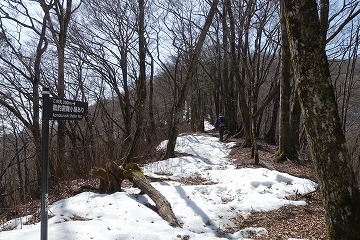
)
(163, 206)
(322, 122)
(112, 176)
(286, 150)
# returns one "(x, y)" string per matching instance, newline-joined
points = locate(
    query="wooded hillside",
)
(151, 70)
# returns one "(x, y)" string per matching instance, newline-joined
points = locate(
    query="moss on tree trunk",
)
(322, 122)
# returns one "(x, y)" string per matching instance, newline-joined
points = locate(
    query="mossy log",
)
(164, 208)
(112, 176)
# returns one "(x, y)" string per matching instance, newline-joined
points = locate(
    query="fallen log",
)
(135, 175)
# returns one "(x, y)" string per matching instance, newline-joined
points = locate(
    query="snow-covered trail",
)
(231, 191)
(205, 209)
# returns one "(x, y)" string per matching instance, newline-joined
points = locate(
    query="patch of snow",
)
(204, 210)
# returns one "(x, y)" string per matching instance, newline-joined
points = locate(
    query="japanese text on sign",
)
(63, 109)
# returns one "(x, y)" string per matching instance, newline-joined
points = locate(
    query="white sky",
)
(204, 210)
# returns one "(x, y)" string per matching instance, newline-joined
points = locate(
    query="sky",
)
(204, 210)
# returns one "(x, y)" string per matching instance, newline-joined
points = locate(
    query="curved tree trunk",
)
(179, 107)
(322, 122)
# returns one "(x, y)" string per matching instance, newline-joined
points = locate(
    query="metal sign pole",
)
(54, 109)
(45, 164)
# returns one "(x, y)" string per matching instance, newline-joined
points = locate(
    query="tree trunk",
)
(244, 108)
(226, 76)
(285, 148)
(322, 122)
(63, 15)
(140, 88)
(163, 206)
(195, 111)
(270, 136)
(172, 136)
(152, 126)
(40, 50)
(178, 110)
(295, 117)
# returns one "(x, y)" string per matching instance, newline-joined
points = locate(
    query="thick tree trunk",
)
(322, 122)
(172, 136)
(163, 206)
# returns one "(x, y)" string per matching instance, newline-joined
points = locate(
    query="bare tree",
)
(242, 65)
(21, 70)
(342, 40)
(58, 27)
(108, 49)
(140, 88)
(194, 56)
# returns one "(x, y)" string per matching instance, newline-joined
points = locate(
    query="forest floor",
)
(305, 222)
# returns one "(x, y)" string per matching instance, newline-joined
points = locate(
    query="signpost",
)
(63, 109)
(53, 109)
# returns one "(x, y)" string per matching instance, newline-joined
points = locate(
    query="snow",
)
(204, 210)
